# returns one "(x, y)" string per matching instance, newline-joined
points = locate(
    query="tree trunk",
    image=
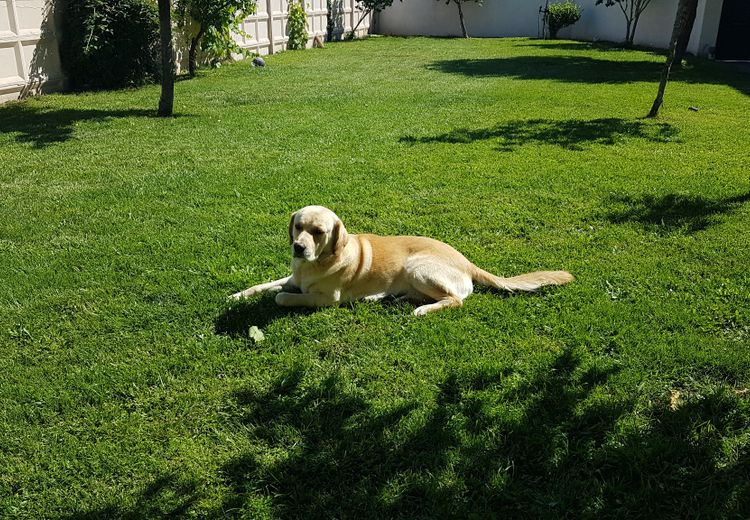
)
(166, 101)
(364, 15)
(628, 38)
(679, 23)
(461, 18)
(193, 52)
(684, 39)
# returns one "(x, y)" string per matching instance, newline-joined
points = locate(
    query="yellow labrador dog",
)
(331, 266)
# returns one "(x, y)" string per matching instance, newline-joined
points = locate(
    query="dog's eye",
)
(298, 227)
(317, 231)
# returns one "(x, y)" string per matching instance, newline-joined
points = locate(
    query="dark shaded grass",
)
(463, 459)
(44, 127)
(573, 134)
(673, 211)
(581, 69)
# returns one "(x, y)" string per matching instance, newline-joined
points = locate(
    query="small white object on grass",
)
(255, 334)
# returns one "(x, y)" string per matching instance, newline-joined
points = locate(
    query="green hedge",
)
(109, 43)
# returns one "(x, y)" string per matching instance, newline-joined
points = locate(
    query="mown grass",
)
(128, 384)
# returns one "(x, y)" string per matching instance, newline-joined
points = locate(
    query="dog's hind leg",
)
(446, 285)
(447, 301)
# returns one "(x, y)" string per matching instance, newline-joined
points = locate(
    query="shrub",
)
(109, 43)
(216, 20)
(297, 25)
(562, 15)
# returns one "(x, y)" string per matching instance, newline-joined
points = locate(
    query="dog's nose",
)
(299, 250)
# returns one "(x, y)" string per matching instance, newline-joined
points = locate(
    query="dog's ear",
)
(340, 237)
(291, 228)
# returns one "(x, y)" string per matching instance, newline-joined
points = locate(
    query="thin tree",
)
(367, 7)
(215, 21)
(461, 13)
(680, 22)
(166, 101)
(632, 9)
(684, 39)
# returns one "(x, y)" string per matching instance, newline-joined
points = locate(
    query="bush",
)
(109, 43)
(213, 24)
(297, 25)
(562, 15)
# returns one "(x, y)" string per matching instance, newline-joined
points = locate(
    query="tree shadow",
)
(575, 45)
(573, 134)
(345, 458)
(236, 320)
(672, 212)
(573, 69)
(558, 445)
(684, 464)
(586, 69)
(352, 460)
(165, 497)
(43, 127)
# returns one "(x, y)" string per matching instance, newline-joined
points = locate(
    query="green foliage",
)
(216, 20)
(562, 15)
(369, 6)
(109, 43)
(297, 25)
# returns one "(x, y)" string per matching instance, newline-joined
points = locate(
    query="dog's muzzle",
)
(299, 251)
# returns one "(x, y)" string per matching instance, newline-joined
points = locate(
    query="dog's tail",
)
(525, 282)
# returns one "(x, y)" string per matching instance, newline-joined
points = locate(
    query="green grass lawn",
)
(129, 387)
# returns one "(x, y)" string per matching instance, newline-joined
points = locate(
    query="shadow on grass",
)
(260, 311)
(573, 134)
(460, 456)
(672, 212)
(43, 127)
(585, 69)
(556, 445)
(449, 458)
(572, 45)
(164, 497)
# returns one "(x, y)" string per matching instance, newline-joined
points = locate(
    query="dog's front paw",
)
(240, 295)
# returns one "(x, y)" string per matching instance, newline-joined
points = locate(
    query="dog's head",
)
(316, 233)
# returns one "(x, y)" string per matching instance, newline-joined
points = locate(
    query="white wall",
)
(29, 60)
(498, 18)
